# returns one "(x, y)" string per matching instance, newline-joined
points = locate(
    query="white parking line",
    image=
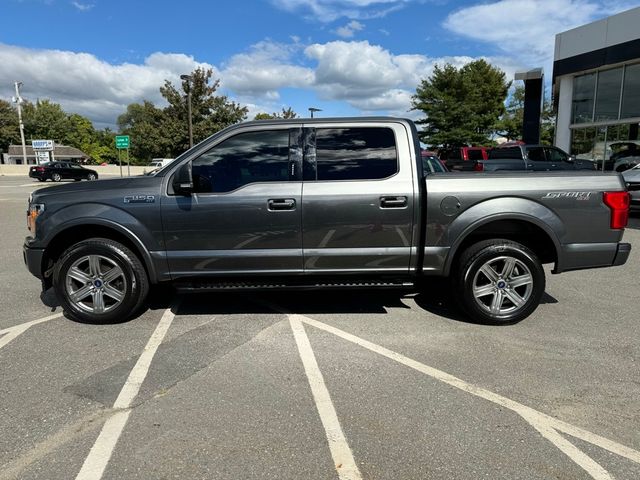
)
(546, 425)
(340, 451)
(98, 458)
(12, 332)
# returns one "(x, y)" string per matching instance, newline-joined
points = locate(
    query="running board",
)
(257, 285)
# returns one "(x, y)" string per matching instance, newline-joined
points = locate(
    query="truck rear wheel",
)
(499, 281)
(100, 281)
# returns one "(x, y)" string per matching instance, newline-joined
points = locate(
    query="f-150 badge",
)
(574, 195)
(140, 199)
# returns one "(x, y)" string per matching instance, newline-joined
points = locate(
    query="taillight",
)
(619, 203)
(39, 169)
(478, 167)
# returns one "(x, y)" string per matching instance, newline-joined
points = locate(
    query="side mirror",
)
(183, 180)
(571, 158)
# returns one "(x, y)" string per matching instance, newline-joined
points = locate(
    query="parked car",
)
(531, 157)
(463, 158)
(57, 171)
(632, 179)
(431, 163)
(160, 162)
(345, 208)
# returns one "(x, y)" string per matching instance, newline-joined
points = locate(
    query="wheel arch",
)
(72, 233)
(538, 229)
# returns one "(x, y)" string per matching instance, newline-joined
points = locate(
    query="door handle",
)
(393, 202)
(277, 204)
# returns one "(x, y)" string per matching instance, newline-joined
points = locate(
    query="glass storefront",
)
(605, 117)
(612, 147)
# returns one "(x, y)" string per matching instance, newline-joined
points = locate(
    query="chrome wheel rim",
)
(56, 177)
(95, 284)
(502, 286)
(92, 176)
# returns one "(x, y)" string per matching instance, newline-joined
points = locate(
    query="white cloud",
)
(265, 69)
(83, 7)
(82, 83)
(349, 30)
(330, 10)
(526, 29)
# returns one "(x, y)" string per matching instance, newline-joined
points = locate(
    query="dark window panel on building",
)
(608, 94)
(631, 92)
(584, 88)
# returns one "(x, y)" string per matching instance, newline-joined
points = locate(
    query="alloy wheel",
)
(95, 284)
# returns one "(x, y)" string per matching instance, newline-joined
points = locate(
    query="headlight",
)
(35, 209)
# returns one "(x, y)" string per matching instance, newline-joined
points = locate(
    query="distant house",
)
(60, 153)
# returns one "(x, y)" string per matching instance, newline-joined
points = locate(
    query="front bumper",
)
(33, 260)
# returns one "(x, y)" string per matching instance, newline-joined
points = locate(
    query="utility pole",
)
(18, 99)
(189, 79)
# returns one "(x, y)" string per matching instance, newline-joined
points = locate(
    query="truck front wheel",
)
(499, 281)
(100, 281)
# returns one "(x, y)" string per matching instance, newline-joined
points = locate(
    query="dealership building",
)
(596, 86)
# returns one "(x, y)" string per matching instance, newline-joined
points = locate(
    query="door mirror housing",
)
(183, 180)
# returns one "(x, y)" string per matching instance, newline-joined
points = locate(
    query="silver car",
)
(632, 179)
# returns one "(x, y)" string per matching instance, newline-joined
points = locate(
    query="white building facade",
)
(596, 85)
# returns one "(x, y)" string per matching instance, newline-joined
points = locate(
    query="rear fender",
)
(505, 208)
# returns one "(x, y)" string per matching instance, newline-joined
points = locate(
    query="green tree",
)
(9, 130)
(45, 120)
(210, 112)
(150, 130)
(462, 106)
(286, 114)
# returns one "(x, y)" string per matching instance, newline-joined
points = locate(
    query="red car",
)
(463, 158)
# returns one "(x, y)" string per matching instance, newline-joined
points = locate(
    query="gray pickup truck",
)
(531, 158)
(324, 203)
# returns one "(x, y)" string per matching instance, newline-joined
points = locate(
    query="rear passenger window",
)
(475, 154)
(356, 153)
(505, 152)
(243, 159)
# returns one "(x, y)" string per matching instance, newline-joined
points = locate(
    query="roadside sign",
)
(42, 144)
(122, 141)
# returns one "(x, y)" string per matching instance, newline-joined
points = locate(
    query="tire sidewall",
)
(120, 257)
(494, 251)
(56, 177)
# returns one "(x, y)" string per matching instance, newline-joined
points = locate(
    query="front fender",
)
(96, 214)
(504, 208)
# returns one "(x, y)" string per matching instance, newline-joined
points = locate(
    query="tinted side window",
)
(355, 153)
(246, 158)
(475, 154)
(508, 152)
(555, 155)
(536, 154)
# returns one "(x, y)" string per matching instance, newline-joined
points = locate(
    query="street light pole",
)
(18, 99)
(313, 109)
(188, 79)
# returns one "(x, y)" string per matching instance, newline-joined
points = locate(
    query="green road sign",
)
(122, 141)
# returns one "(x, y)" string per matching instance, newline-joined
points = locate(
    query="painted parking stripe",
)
(546, 425)
(9, 334)
(98, 458)
(342, 456)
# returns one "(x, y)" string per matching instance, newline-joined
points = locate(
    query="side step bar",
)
(202, 286)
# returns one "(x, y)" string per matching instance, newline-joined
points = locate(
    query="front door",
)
(358, 199)
(245, 213)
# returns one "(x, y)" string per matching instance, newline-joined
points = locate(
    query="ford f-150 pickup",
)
(321, 203)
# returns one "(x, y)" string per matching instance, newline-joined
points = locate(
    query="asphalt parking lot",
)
(319, 385)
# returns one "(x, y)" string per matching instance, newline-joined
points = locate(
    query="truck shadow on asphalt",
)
(434, 297)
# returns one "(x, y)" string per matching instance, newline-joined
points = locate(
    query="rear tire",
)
(499, 281)
(41, 179)
(100, 281)
(56, 177)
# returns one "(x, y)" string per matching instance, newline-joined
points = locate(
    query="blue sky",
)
(348, 57)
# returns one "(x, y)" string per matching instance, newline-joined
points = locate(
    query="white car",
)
(632, 179)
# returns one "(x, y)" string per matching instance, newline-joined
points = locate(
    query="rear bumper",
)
(33, 260)
(578, 256)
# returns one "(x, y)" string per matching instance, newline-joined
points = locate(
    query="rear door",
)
(537, 159)
(358, 199)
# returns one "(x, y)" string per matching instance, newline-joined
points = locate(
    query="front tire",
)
(499, 281)
(91, 176)
(100, 281)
